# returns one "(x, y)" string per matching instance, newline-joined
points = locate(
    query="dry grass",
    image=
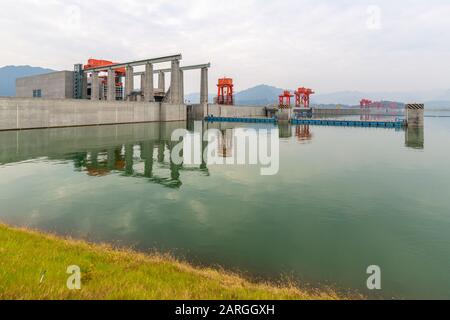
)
(111, 273)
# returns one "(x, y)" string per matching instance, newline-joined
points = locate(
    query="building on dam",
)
(106, 80)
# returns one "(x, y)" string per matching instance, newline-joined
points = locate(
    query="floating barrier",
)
(351, 123)
(318, 122)
(243, 120)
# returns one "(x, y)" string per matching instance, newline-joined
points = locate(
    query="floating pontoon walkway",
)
(317, 122)
(350, 123)
(243, 120)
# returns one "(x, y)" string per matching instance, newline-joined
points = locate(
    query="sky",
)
(327, 45)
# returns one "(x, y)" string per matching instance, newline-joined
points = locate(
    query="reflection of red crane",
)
(285, 99)
(225, 91)
(302, 97)
(303, 133)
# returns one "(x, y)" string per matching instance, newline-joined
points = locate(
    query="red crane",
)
(225, 91)
(285, 99)
(120, 72)
(302, 97)
(365, 103)
(95, 63)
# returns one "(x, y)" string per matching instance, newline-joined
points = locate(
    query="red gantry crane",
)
(285, 99)
(364, 103)
(302, 97)
(120, 72)
(225, 91)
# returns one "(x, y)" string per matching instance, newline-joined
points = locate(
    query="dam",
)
(103, 92)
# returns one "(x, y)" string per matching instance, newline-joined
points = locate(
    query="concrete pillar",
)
(162, 81)
(141, 97)
(148, 87)
(204, 91)
(84, 84)
(111, 85)
(181, 86)
(95, 87)
(175, 83)
(204, 86)
(284, 115)
(129, 83)
(415, 115)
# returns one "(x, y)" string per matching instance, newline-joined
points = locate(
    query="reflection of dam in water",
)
(139, 150)
(136, 150)
(415, 137)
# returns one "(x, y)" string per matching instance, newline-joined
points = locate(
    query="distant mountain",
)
(9, 74)
(265, 94)
(259, 95)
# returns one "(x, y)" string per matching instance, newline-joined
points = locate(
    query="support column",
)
(204, 90)
(181, 86)
(162, 81)
(95, 87)
(148, 87)
(415, 115)
(175, 83)
(111, 85)
(84, 84)
(129, 83)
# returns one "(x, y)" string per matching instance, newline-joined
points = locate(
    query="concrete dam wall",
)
(29, 113)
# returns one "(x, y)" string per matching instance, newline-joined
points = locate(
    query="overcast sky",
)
(328, 45)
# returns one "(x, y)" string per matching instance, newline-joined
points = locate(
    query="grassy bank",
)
(33, 266)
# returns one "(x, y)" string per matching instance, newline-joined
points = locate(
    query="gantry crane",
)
(285, 99)
(302, 97)
(225, 89)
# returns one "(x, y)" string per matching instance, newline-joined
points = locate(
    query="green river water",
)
(344, 199)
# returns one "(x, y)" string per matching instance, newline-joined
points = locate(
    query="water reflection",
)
(129, 150)
(136, 150)
(285, 130)
(415, 137)
(303, 133)
(226, 143)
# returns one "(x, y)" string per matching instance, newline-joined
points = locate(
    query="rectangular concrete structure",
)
(175, 83)
(129, 83)
(29, 113)
(147, 85)
(111, 85)
(415, 115)
(54, 85)
(95, 87)
(161, 81)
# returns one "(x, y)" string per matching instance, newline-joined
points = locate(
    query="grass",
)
(33, 266)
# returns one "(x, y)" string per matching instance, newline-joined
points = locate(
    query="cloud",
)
(324, 44)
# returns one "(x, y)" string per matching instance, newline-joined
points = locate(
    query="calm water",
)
(344, 199)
